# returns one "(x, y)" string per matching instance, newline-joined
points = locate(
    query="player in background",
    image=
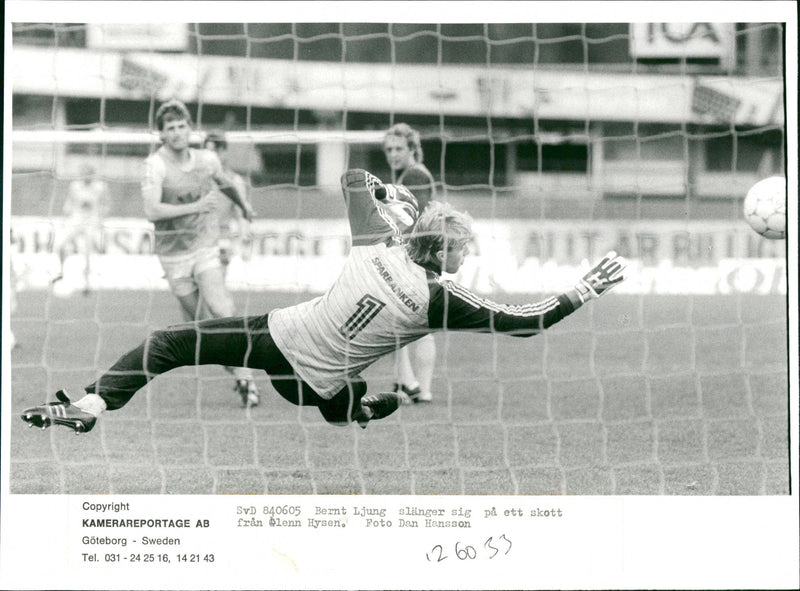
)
(234, 227)
(403, 150)
(389, 291)
(179, 192)
(85, 208)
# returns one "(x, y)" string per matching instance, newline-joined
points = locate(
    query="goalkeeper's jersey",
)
(382, 300)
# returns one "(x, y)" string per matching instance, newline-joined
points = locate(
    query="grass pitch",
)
(671, 395)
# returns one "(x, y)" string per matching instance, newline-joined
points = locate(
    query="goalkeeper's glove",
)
(396, 199)
(374, 185)
(399, 213)
(602, 277)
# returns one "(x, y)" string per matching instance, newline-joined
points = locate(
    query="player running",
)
(85, 207)
(403, 150)
(388, 294)
(179, 198)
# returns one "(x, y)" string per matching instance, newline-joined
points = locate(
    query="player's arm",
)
(154, 209)
(454, 307)
(226, 184)
(368, 225)
(242, 223)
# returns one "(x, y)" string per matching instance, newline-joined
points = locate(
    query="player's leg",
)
(217, 341)
(424, 354)
(351, 404)
(286, 382)
(69, 234)
(62, 257)
(225, 341)
(226, 252)
(345, 407)
(182, 282)
(213, 293)
(405, 381)
(178, 273)
(190, 306)
(88, 239)
(215, 297)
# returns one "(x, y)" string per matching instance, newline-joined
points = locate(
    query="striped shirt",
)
(382, 300)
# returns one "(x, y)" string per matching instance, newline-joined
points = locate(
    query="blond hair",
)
(440, 227)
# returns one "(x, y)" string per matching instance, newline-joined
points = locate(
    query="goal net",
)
(562, 140)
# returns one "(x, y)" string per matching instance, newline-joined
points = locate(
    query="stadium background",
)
(561, 139)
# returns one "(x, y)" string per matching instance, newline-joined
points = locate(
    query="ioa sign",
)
(671, 40)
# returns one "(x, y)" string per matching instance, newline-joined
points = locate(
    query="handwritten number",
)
(437, 549)
(469, 552)
(466, 552)
(488, 544)
(503, 537)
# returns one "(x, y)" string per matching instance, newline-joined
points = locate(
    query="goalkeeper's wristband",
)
(585, 291)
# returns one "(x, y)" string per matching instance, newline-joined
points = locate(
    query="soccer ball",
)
(765, 207)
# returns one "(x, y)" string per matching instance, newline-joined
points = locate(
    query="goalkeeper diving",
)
(389, 293)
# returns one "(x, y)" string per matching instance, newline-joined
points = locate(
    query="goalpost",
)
(675, 384)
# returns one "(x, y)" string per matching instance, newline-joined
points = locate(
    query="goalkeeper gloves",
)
(374, 185)
(602, 277)
(396, 199)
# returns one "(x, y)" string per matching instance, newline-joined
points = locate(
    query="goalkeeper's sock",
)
(91, 403)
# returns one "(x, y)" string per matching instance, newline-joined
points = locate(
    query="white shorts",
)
(181, 270)
(81, 234)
